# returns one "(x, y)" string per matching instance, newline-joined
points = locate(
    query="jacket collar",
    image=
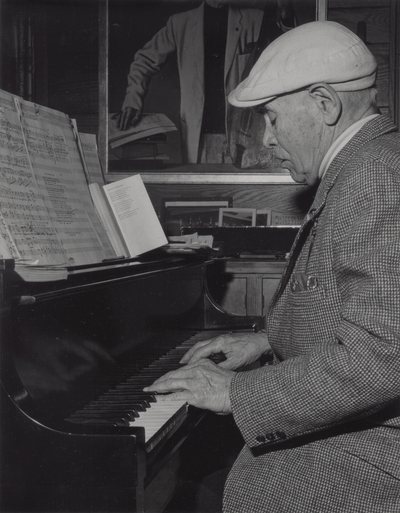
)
(197, 38)
(371, 130)
(235, 28)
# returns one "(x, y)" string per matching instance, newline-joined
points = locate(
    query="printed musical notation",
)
(89, 149)
(24, 225)
(58, 169)
(45, 216)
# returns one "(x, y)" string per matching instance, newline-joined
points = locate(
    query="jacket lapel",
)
(235, 28)
(297, 246)
(195, 40)
(368, 132)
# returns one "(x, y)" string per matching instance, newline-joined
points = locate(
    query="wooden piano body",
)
(65, 343)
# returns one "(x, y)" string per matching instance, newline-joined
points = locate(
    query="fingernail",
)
(145, 389)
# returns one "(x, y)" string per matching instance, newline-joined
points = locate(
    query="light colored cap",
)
(320, 51)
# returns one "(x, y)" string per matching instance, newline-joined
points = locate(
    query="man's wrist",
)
(267, 357)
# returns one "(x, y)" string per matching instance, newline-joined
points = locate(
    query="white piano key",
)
(159, 416)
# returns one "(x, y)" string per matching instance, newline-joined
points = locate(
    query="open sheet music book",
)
(149, 124)
(128, 216)
(48, 221)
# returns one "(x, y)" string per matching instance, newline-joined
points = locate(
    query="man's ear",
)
(327, 100)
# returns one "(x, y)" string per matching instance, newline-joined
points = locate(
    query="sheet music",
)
(136, 217)
(90, 159)
(90, 151)
(24, 217)
(58, 169)
(149, 124)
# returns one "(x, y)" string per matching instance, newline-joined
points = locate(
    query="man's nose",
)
(269, 140)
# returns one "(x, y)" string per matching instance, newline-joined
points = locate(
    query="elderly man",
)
(321, 425)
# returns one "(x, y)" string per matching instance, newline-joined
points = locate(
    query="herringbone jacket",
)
(321, 425)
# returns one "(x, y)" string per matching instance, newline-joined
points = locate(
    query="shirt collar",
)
(341, 141)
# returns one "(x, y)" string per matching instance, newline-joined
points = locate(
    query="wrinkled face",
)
(295, 131)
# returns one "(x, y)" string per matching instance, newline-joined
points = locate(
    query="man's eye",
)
(272, 120)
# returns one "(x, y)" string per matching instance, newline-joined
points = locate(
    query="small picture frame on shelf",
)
(263, 217)
(285, 219)
(183, 214)
(233, 217)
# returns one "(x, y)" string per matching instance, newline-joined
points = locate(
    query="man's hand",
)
(239, 349)
(127, 117)
(202, 384)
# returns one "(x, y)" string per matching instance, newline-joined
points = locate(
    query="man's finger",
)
(187, 356)
(201, 352)
(216, 345)
(175, 396)
(183, 373)
(168, 385)
(124, 120)
(136, 119)
(228, 364)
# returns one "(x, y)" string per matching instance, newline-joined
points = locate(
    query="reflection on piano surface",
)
(78, 432)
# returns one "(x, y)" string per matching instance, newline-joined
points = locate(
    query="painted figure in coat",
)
(213, 44)
(321, 424)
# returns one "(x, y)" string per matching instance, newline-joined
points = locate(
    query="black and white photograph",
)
(237, 217)
(180, 215)
(199, 256)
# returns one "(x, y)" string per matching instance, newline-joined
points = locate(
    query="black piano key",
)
(134, 385)
(137, 405)
(97, 421)
(132, 379)
(116, 406)
(125, 399)
(145, 396)
(98, 413)
(122, 415)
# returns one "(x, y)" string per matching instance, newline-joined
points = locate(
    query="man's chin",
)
(297, 177)
(286, 165)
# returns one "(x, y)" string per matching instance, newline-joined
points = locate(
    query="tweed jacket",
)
(183, 35)
(321, 425)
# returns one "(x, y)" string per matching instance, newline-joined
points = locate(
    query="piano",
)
(77, 431)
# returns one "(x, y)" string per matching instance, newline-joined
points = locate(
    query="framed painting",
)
(167, 65)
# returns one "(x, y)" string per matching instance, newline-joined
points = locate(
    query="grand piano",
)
(77, 431)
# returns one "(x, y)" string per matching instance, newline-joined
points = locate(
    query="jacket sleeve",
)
(147, 62)
(358, 372)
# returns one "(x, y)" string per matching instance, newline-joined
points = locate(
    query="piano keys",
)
(80, 434)
(128, 405)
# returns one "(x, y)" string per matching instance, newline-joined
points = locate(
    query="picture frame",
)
(237, 217)
(263, 217)
(285, 219)
(120, 42)
(182, 214)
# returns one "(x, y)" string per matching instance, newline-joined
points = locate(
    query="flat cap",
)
(320, 51)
